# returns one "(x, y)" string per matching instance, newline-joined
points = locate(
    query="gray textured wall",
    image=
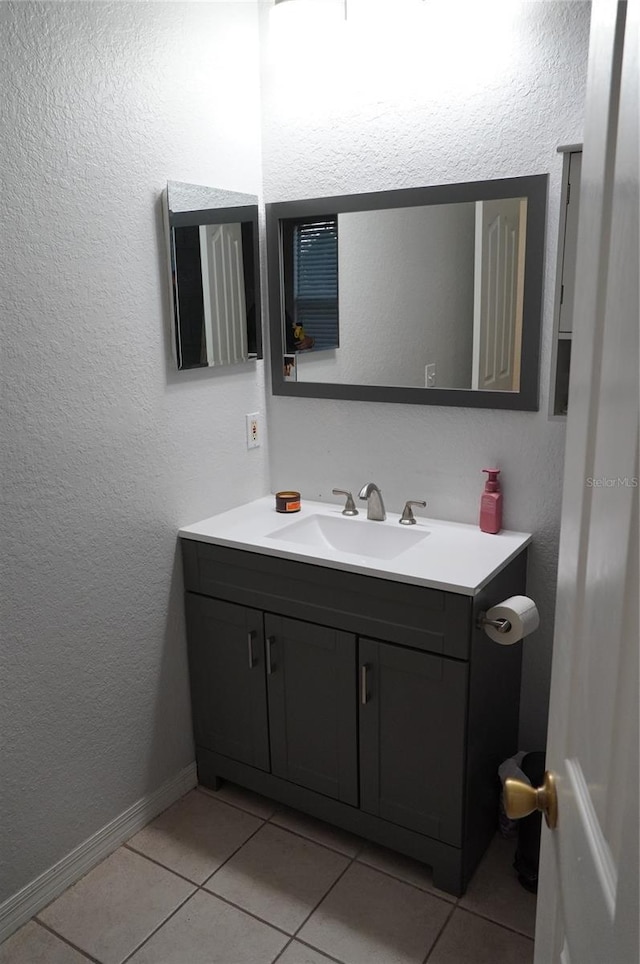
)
(439, 98)
(105, 450)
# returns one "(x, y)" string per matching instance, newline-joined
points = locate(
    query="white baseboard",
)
(17, 910)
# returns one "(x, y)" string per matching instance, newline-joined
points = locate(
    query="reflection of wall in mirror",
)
(406, 298)
(189, 296)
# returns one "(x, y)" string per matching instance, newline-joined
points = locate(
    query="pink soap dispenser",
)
(491, 503)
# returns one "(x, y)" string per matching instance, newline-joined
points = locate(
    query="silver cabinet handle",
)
(270, 641)
(251, 635)
(364, 696)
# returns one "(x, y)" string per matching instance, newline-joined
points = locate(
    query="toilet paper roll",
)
(523, 615)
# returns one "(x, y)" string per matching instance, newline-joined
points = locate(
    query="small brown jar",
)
(287, 501)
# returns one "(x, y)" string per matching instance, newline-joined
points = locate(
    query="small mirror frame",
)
(533, 187)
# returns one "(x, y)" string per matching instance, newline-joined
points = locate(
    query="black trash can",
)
(527, 858)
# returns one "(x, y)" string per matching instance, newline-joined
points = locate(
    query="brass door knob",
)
(520, 799)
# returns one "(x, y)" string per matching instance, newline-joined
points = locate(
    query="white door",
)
(498, 294)
(588, 907)
(225, 312)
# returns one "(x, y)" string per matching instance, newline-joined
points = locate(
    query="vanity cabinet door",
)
(311, 680)
(412, 738)
(228, 685)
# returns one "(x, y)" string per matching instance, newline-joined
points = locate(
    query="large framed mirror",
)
(214, 282)
(430, 295)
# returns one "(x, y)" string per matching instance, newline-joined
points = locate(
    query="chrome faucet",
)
(375, 505)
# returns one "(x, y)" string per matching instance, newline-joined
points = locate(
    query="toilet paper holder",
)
(502, 625)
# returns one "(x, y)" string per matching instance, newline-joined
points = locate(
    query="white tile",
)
(468, 939)
(247, 800)
(298, 953)
(195, 836)
(116, 906)
(494, 890)
(33, 944)
(208, 931)
(278, 876)
(318, 831)
(370, 918)
(405, 868)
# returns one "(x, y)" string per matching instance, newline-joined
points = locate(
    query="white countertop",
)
(454, 557)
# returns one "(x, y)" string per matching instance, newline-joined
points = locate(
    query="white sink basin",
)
(359, 537)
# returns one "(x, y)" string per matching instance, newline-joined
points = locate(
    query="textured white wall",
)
(406, 298)
(106, 450)
(457, 93)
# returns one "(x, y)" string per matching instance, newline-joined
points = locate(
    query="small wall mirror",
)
(428, 295)
(212, 241)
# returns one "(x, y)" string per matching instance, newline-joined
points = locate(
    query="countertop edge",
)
(363, 570)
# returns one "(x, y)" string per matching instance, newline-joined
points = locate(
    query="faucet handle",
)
(349, 506)
(408, 518)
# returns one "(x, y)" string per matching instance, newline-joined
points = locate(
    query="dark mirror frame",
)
(533, 187)
(245, 215)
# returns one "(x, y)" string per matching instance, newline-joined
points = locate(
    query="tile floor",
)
(233, 878)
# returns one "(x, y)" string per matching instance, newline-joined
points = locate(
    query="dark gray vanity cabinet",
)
(406, 698)
(228, 684)
(375, 705)
(311, 674)
(275, 693)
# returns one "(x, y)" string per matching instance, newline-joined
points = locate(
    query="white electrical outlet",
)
(253, 430)
(430, 375)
